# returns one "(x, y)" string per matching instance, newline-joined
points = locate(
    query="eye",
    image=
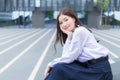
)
(66, 19)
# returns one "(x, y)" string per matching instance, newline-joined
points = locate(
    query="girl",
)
(82, 58)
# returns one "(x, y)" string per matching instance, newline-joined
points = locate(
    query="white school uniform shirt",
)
(82, 47)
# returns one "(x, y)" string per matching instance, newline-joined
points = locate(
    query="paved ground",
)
(25, 52)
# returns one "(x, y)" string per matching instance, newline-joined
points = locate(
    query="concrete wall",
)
(38, 18)
(94, 19)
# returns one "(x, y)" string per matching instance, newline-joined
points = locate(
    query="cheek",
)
(61, 28)
(72, 25)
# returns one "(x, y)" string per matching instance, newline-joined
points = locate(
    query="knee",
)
(59, 67)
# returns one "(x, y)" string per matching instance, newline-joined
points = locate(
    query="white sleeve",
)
(72, 49)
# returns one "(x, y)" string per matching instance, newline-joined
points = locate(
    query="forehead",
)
(62, 17)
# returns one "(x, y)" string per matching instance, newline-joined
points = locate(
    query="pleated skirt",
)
(80, 71)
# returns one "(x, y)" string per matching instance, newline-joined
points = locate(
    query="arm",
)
(72, 49)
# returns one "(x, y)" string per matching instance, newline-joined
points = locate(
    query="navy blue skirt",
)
(81, 71)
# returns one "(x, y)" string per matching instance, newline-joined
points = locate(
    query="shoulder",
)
(81, 30)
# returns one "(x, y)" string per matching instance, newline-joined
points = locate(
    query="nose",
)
(64, 25)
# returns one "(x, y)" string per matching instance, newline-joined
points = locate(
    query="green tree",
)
(49, 14)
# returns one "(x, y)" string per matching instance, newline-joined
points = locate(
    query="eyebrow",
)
(63, 18)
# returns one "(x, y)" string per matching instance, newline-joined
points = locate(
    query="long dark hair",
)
(60, 36)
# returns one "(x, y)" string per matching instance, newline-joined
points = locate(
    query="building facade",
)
(39, 7)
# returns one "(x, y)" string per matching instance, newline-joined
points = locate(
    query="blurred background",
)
(28, 27)
(35, 13)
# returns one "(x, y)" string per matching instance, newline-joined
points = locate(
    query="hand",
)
(69, 33)
(47, 70)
